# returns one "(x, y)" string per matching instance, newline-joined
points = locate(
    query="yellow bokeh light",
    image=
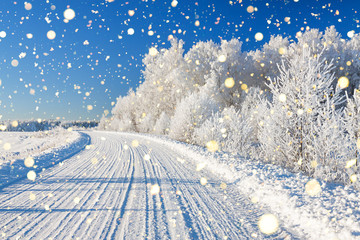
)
(250, 9)
(155, 189)
(223, 186)
(254, 199)
(350, 163)
(174, 3)
(2, 34)
(153, 51)
(282, 51)
(29, 162)
(130, 31)
(200, 166)
(358, 143)
(14, 123)
(131, 13)
(244, 87)
(76, 200)
(7, 146)
(28, 6)
(343, 82)
(203, 181)
(222, 58)
(32, 196)
(268, 224)
(212, 146)
(89, 107)
(229, 82)
(312, 187)
(282, 97)
(29, 35)
(135, 143)
(14, 63)
(31, 175)
(351, 34)
(51, 35)
(353, 178)
(69, 14)
(259, 36)
(94, 161)
(314, 164)
(147, 157)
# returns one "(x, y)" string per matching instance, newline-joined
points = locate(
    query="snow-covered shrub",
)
(229, 129)
(301, 127)
(122, 125)
(124, 114)
(191, 112)
(146, 123)
(331, 147)
(162, 124)
(103, 124)
(249, 107)
(352, 125)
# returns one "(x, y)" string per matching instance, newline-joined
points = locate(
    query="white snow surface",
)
(104, 192)
(46, 148)
(31, 144)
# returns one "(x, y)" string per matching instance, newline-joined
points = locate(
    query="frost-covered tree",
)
(146, 123)
(199, 60)
(264, 63)
(343, 54)
(224, 82)
(352, 121)
(302, 108)
(191, 112)
(103, 124)
(231, 131)
(249, 108)
(162, 124)
(124, 114)
(166, 81)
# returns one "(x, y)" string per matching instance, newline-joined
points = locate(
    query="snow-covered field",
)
(45, 148)
(132, 186)
(17, 145)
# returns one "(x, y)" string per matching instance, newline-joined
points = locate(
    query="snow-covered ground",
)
(17, 145)
(132, 186)
(45, 148)
(332, 213)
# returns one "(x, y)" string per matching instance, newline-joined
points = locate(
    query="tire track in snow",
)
(115, 200)
(58, 204)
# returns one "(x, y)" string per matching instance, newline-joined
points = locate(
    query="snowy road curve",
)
(104, 192)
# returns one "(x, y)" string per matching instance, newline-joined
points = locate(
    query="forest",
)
(291, 103)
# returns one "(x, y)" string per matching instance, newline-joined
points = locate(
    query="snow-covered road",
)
(109, 191)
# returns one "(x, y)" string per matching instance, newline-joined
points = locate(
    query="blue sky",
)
(93, 59)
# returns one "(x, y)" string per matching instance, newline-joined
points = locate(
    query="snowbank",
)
(334, 213)
(46, 148)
